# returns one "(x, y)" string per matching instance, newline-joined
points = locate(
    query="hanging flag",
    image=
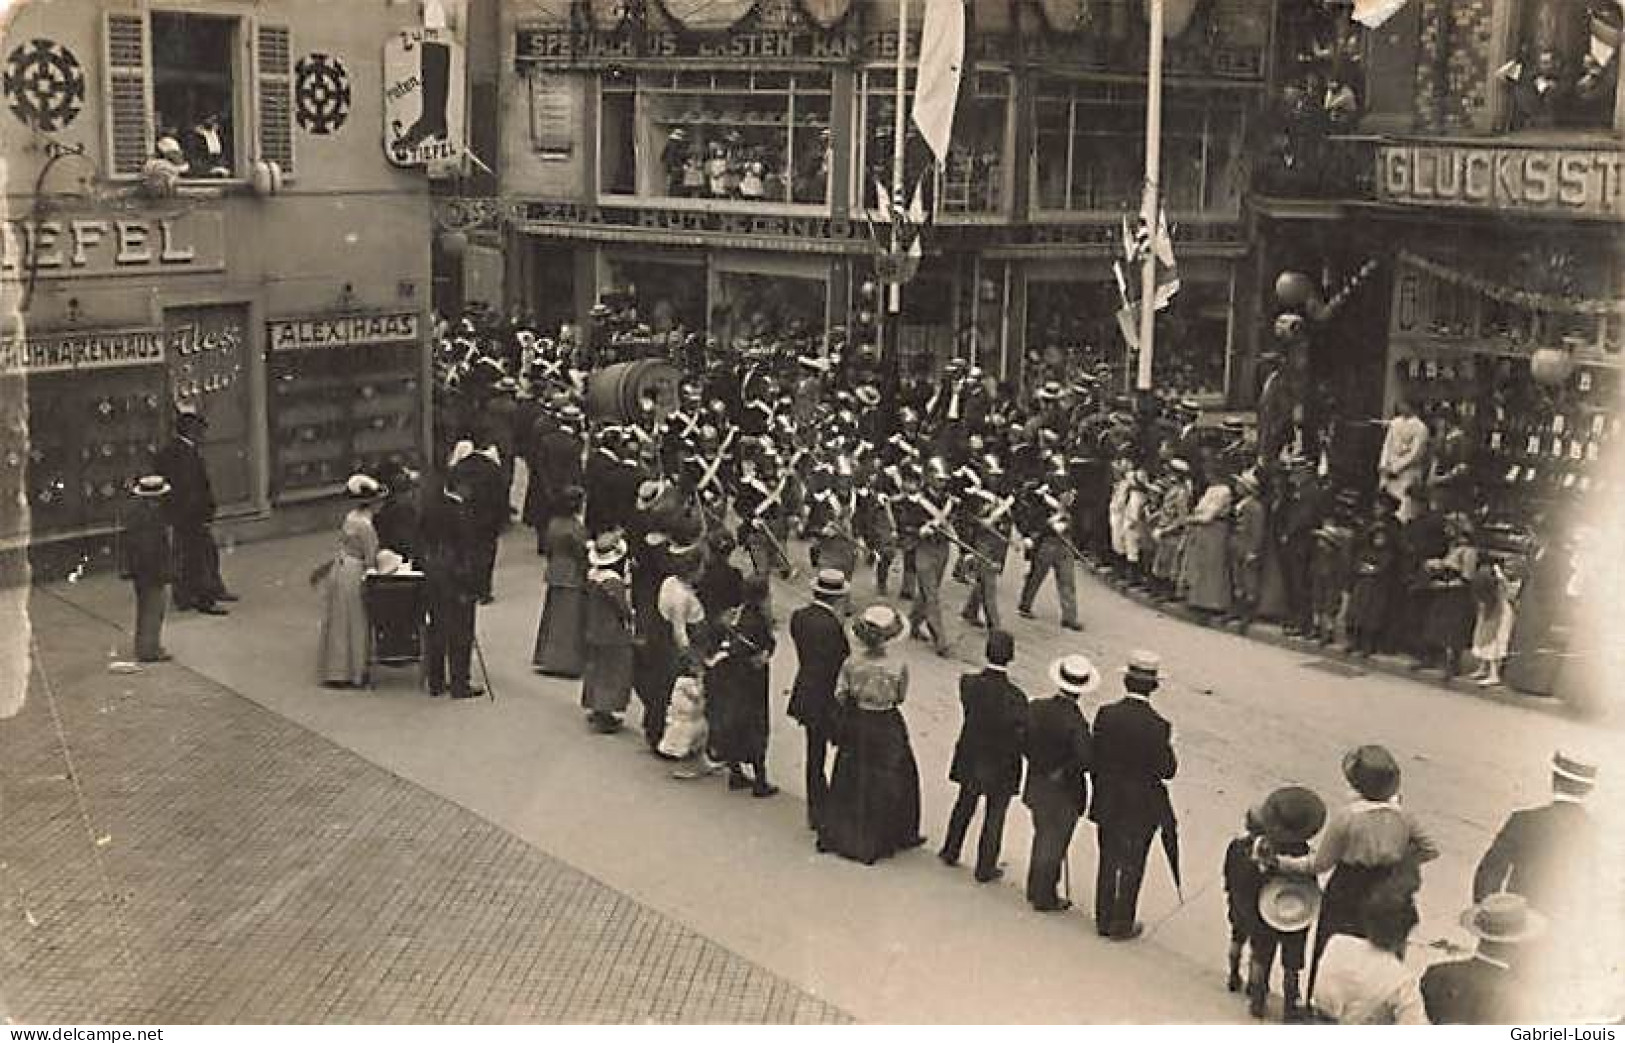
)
(1137, 245)
(1372, 13)
(936, 86)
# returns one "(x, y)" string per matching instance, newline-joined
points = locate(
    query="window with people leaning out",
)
(1090, 153)
(748, 136)
(972, 180)
(194, 93)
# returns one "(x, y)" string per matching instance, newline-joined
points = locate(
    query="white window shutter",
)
(273, 93)
(127, 86)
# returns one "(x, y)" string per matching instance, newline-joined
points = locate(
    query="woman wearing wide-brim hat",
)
(607, 634)
(1370, 842)
(873, 807)
(344, 639)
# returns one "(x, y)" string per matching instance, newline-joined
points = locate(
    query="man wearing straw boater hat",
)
(821, 649)
(145, 560)
(1058, 759)
(1487, 988)
(1134, 758)
(1552, 855)
(1543, 853)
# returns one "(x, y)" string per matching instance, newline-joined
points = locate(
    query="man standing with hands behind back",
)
(821, 649)
(1133, 759)
(987, 757)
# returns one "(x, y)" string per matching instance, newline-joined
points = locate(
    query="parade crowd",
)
(642, 513)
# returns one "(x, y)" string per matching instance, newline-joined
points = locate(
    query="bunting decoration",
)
(1139, 243)
(898, 255)
(1541, 302)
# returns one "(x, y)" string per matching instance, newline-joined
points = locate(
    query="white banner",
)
(423, 97)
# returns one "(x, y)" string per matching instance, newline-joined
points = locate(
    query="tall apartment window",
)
(1090, 153)
(973, 180)
(194, 90)
(747, 137)
(1564, 70)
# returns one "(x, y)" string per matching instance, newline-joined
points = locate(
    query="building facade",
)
(207, 207)
(715, 165)
(1479, 167)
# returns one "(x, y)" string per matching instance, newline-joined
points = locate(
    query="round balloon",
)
(1551, 367)
(1294, 289)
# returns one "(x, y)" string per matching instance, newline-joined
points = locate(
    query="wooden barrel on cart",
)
(613, 393)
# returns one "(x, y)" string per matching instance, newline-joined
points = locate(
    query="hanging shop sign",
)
(423, 97)
(69, 352)
(90, 245)
(342, 331)
(1573, 182)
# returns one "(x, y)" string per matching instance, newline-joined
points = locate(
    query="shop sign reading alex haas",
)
(1577, 182)
(343, 331)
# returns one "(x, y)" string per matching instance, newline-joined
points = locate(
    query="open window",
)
(203, 94)
(195, 91)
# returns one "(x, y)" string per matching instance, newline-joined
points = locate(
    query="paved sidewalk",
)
(171, 852)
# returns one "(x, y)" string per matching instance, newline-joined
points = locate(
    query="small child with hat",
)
(1270, 910)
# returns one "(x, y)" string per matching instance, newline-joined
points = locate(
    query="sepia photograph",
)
(811, 513)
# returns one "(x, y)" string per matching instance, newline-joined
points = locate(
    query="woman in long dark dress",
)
(607, 635)
(558, 635)
(736, 691)
(873, 807)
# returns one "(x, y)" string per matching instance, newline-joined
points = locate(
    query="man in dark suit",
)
(1058, 758)
(821, 649)
(987, 757)
(146, 560)
(451, 563)
(1487, 988)
(478, 469)
(1551, 855)
(554, 464)
(1133, 759)
(190, 510)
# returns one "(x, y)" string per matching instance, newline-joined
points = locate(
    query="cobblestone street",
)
(171, 852)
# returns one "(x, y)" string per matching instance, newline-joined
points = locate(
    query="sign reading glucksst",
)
(342, 331)
(1572, 181)
(95, 349)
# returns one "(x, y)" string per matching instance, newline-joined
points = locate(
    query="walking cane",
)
(1066, 875)
(485, 671)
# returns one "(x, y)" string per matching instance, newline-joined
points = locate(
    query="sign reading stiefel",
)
(423, 97)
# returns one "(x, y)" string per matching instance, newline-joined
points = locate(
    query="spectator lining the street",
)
(558, 651)
(1369, 843)
(1363, 977)
(344, 639)
(873, 807)
(608, 634)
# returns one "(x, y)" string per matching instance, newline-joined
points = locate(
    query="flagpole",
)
(1150, 206)
(895, 294)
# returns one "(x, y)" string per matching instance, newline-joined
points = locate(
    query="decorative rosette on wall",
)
(707, 16)
(826, 14)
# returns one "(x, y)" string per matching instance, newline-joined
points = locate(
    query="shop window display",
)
(763, 310)
(749, 137)
(972, 180)
(1090, 148)
(1072, 328)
